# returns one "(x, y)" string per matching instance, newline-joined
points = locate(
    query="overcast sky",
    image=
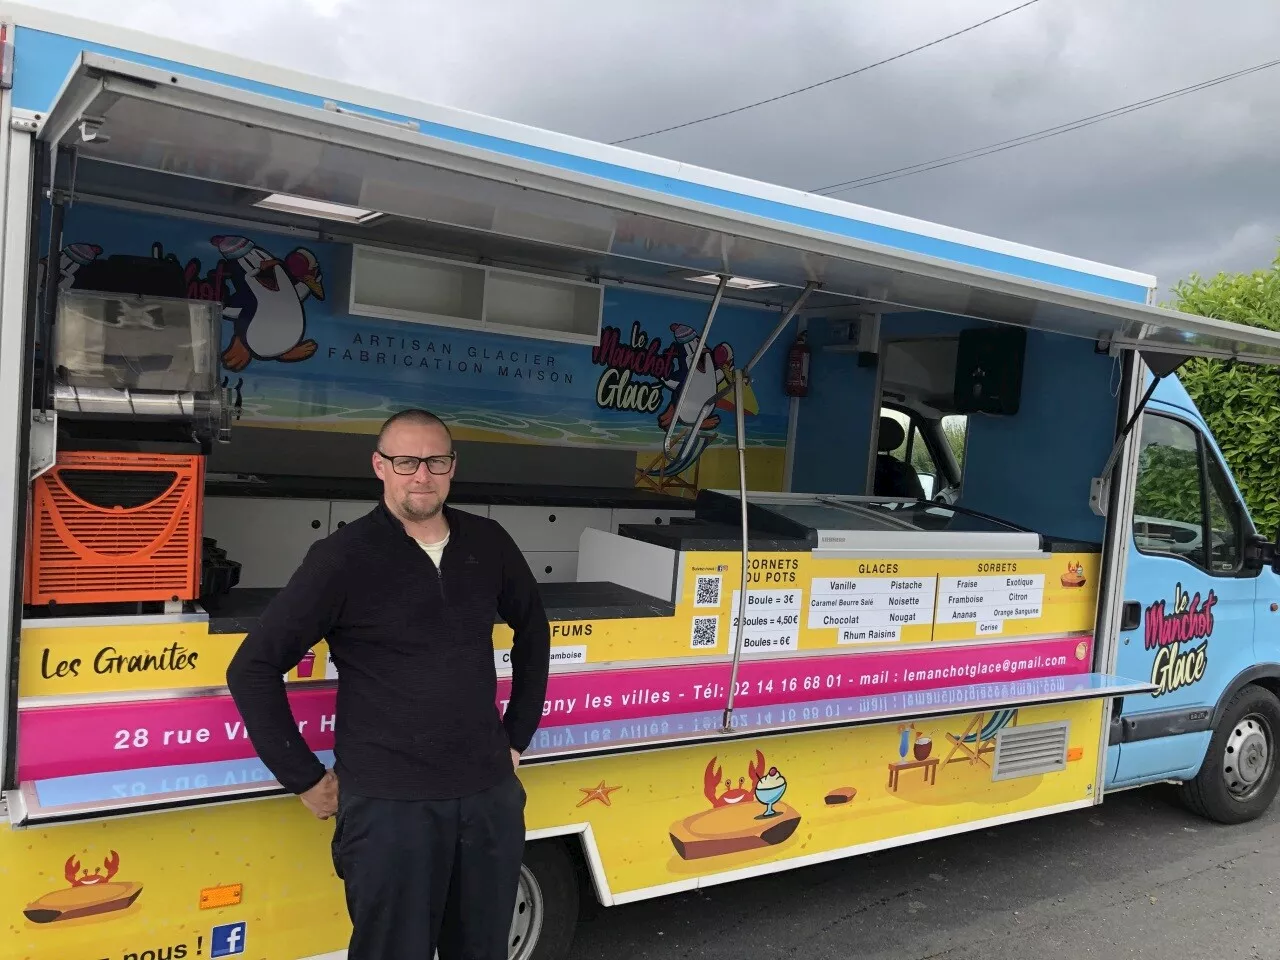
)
(1189, 185)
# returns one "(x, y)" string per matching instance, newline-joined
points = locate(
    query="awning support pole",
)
(777, 331)
(740, 377)
(1099, 488)
(738, 380)
(782, 325)
(697, 355)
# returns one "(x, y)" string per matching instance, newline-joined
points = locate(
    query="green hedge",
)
(1170, 487)
(1240, 402)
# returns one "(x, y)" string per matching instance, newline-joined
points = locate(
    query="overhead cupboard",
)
(394, 285)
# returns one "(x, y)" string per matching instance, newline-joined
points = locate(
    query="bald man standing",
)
(430, 813)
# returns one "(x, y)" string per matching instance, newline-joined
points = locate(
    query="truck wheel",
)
(1238, 779)
(546, 911)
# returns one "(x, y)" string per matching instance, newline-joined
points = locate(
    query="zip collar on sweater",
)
(395, 524)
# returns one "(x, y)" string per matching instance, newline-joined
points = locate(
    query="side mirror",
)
(1260, 552)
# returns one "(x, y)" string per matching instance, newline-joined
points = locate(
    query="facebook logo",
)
(227, 940)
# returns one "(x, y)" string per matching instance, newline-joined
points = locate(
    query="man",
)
(430, 814)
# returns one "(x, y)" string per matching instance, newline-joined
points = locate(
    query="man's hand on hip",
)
(515, 758)
(322, 799)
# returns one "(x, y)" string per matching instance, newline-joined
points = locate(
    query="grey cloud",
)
(1187, 185)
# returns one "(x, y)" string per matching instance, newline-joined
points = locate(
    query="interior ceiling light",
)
(739, 283)
(306, 207)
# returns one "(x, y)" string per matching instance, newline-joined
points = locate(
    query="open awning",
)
(148, 135)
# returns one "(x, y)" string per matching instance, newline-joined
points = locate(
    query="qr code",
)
(704, 632)
(707, 592)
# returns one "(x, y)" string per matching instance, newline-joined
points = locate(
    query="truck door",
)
(1189, 600)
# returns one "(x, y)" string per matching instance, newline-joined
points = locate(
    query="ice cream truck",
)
(853, 530)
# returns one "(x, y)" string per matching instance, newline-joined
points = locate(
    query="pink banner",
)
(67, 741)
(590, 697)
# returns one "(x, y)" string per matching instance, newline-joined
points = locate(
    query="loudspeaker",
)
(989, 370)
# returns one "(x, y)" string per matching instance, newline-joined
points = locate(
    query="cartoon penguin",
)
(701, 376)
(712, 374)
(266, 306)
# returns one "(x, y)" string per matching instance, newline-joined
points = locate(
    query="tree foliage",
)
(955, 428)
(1240, 402)
(1168, 485)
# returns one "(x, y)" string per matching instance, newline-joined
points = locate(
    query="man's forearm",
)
(259, 693)
(520, 605)
(298, 618)
(530, 661)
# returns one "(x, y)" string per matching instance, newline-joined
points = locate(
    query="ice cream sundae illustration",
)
(769, 790)
(731, 823)
(1074, 577)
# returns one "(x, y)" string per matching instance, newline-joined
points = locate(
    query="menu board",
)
(871, 609)
(773, 620)
(798, 601)
(987, 602)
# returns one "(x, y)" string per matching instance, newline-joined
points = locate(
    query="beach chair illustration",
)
(979, 737)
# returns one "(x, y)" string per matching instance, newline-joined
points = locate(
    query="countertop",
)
(238, 611)
(516, 494)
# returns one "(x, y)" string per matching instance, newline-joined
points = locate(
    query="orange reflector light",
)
(226, 896)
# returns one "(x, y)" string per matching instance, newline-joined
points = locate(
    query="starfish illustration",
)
(600, 793)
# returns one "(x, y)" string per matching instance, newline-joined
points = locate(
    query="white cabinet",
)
(553, 567)
(549, 529)
(267, 536)
(406, 286)
(658, 515)
(270, 536)
(452, 293)
(342, 512)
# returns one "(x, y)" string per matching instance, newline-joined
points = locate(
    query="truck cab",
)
(1200, 608)
(1199, 620)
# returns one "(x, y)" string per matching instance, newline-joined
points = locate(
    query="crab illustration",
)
(77, 878)
(89, 894)
(731, 794)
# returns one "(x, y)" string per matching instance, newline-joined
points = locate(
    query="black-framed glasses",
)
(439, 464)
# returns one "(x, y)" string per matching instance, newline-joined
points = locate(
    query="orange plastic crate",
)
(116, 528)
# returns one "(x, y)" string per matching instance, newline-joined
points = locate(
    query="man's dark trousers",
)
(431, 875)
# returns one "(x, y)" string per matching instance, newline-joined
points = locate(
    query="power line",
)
(937, 164)
(822, 83)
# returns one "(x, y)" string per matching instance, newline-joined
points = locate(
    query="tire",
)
(1241, 770)
(546, 913)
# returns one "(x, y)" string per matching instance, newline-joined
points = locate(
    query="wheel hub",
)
(526, 921)
(1249, 756)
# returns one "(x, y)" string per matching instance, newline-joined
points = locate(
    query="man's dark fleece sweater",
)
(413, 644)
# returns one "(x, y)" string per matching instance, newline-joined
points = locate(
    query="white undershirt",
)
(434, 550)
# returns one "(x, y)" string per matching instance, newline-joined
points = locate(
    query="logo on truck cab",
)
(1179, 633)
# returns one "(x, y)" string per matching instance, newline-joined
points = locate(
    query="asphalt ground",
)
(1139, 876)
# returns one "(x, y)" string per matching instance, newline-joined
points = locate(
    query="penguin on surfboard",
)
(707, 375)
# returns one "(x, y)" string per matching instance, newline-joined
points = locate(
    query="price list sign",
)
(871, 609)
(773, 620)
(988, 601)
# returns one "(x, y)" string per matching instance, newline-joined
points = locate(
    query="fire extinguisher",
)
(796, 383)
